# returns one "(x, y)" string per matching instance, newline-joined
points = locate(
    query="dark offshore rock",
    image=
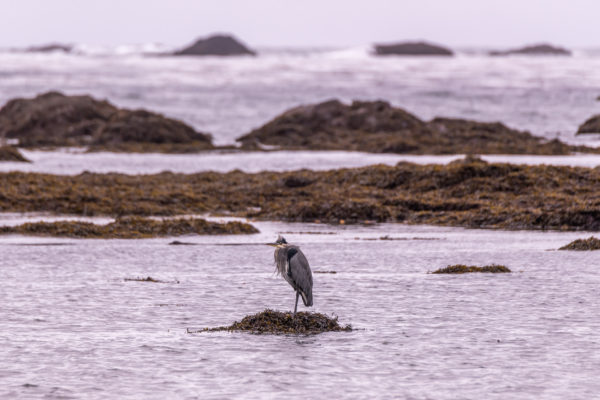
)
(412, 49)
(48, 48)
(539, 49)
(8, 153)
(53, 119)
(217, 45)
(592, 125)
(377, 127)
(464, 269)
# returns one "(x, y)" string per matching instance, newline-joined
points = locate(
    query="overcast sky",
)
(573, 23)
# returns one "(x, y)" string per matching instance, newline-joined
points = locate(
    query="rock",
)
(412, 49)
(378, 127)
(539, 49)
(8, 153)
(217, 45)
(48, 48)
(591, 243)
(592, 125)
(53, 119)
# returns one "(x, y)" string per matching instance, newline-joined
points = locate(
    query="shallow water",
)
(229, 96)
(72, 162)
(71, 327)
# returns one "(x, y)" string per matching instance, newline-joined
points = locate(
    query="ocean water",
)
(71, 327)
(549, 96)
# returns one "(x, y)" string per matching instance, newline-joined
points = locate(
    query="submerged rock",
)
(378, 127)
(217, 45)
(591, 243)
(592, 125)
(539, 49)
(9, 153)
(48, 48)
(412, 49)
(53, 119)
(130, 228)
(277, 322)
(463, 269)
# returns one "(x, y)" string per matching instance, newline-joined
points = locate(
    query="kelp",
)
(591, 243)
(464, 269)
(470, 193)
(277, 322)
(148, 279)
(9, 153)
(129, 228)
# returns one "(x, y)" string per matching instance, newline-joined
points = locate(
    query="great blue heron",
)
(293, 266)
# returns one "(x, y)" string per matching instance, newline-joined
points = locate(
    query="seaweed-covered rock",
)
(217, 45)
(464, 269)
(130, 228)
(277, 322)
(591, 243)
(9, 153)
(592, 125)
(412, 49)
(377, 127)
(53, 119)
(538, 49)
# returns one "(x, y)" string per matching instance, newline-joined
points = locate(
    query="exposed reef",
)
(217, 45)
(538, 49)
(591, 243)
(469, 193)
(464, 269)
(411, 49)
(378, 127)
(53, 119)
(277, 322)
(8, 153)
(129, 228)
(592, 125)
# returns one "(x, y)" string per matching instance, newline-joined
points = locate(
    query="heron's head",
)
(280, 242)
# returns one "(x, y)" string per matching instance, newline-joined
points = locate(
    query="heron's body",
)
(293, 266)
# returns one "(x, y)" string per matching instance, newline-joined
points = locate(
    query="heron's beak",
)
(272, 244)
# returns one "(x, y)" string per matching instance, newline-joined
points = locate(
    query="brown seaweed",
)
(148, 279)
(129, 228)
(463, 269)
(591, 243)
(277, 322)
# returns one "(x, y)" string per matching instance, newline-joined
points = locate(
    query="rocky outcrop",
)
(218, 45)
(53, 119)
(377, 127)
(592, 125)
(412, 49)
(539, 49)
(51, 47)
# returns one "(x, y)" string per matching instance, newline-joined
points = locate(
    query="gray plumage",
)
(293, 266)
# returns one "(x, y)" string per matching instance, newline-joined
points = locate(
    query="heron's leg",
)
(296, 306)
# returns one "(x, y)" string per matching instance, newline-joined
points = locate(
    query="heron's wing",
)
(299, 271)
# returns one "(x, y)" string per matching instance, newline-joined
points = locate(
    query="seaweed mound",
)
(277, 322)
(592, 125)
(464, 269)
(130, 228)
(591, 243)
(8, 153)
(53, 119)
(411, 49)
(217, 45)
(378, 127)
(50, 47)
(538, 49)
